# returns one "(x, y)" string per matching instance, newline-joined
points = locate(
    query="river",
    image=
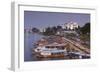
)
(29, 40)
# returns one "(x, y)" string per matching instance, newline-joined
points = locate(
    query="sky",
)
(42, 20)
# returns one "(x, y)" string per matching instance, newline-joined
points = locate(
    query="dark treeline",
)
(54, 29)
(35, 30)
(85, 29)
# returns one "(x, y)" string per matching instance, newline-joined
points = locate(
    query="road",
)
(78, 45)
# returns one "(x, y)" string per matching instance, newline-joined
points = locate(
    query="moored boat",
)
(48, 52)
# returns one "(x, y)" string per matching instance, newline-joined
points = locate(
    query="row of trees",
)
(48, 30)
(80, 30)
(53, 30)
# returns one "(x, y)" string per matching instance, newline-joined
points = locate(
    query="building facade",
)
(71, 25)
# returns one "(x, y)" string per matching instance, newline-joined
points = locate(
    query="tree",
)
(54, 30)
(47, 31)
(35, 30)
(86, 28)
(59, 27)
(78, 30)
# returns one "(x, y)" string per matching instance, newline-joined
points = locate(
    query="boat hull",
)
(49, 56)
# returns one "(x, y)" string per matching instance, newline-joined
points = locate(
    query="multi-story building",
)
(71, 25)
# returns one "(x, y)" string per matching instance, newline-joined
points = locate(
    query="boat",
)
(49, 52)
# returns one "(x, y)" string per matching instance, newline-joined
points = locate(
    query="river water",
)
(29, 40)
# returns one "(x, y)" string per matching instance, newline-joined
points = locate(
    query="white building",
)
(71, 25)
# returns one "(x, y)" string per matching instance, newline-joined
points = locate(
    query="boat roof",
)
(56, 44)
(53, 51)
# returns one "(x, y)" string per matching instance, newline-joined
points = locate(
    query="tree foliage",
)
(86, 28)
(35, 30)
(52, 30)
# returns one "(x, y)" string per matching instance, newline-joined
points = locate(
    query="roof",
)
(53, 41)
(56, 44)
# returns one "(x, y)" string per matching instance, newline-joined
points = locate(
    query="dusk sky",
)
(44, 19)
